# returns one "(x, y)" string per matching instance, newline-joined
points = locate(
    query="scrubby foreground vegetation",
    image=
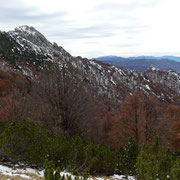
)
(55, 116)
(24, 141)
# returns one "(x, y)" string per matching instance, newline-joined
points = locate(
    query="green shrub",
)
(69, 177)
(175, 170)
(127, 158)
(2, 126)
(49, 170)
(51, 173)
(58, 151)
(176, 155)
(57, 175)
(103, 160)
(84, 175)
(153, 162)
(78, 154)
(76, 178)
(63, 177)
(75, 153)
(23, 141)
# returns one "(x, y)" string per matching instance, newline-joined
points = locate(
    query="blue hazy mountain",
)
(141, 63)
(104, 58)
(110, 58)
(172, 58)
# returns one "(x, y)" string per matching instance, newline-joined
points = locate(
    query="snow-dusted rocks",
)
(32, 40)
(30, 51)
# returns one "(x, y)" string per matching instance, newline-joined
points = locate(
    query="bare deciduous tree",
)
(65, 98)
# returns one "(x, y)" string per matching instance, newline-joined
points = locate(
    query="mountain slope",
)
(29, 44)
(27, 51)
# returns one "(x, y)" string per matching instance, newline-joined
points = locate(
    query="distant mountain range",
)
(141, 63)
(104, 58)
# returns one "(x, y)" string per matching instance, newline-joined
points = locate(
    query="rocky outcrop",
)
(26, 50)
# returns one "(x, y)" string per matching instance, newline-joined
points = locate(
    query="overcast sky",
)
(92, 28)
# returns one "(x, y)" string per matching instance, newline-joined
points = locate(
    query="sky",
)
(92, 28)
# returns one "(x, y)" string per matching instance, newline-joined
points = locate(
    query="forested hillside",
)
(83, 115)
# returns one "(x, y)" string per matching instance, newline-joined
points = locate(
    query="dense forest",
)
(55, 116)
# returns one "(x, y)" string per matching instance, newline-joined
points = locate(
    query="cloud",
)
(96, 31)
(125, 6)
(124, 45)
(93, 28)
(14, 15)
(26, 15)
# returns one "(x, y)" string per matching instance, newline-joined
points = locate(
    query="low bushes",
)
(52, 173)
(24, 141)
(82, 155)
(175, 170)
(155, 163)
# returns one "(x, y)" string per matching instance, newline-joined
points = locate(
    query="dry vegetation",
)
(67, 106)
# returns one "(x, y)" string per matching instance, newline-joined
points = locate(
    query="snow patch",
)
(23, 173)
(19, 172)
(25, 28)
(115, 176)
(147, 87)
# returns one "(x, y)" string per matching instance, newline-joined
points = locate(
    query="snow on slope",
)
(29, 173)
(106, 80)
(19, 172)
(31, 39)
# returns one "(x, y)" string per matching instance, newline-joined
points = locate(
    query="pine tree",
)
(84, 174)
(57, 175)
(49, 170)
(127, 158)
(153, 162)
(175, 170)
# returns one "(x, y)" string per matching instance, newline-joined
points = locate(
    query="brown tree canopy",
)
(139, 118)
(172, 126)
(175, 137)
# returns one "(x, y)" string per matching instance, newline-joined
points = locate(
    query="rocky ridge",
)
(27, 51)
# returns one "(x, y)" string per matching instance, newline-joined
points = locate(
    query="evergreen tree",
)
(49, 170)
(175, 170)
(127, 158)
(57, 175)
(153, 162)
